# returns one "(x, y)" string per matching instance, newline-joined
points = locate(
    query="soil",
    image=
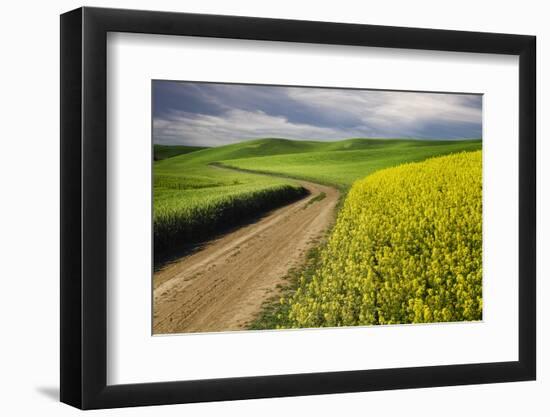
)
(222, 287)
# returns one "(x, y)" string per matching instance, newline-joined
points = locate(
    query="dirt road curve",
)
(222, 287)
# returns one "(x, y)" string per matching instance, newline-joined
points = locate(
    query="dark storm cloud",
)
(214, 114)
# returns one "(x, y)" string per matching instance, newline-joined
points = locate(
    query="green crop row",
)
(190, 210)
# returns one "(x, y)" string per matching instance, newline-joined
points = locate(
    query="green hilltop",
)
(338, 163)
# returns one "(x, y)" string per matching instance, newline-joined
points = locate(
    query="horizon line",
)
(320, 141)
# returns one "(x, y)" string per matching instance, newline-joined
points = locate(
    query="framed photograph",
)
(257, 208)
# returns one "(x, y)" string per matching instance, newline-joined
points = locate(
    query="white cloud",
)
(351, 113)
(388, 108)
(235, 126)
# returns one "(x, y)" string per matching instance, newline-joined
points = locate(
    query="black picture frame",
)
(84, 207)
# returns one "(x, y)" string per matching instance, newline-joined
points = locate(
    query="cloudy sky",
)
(191, 113)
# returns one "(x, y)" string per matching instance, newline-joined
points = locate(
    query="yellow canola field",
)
(406, 248)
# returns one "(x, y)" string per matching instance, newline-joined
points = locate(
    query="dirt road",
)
(222, 286)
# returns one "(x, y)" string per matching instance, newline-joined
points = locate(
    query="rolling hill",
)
(161, 152)
(340, 163)
(194, 195)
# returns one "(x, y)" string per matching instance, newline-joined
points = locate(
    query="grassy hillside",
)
(406, 248)
(246, 149)
(341, 163)
(161, 152)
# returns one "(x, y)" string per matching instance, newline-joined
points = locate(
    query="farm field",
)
(193, 196)
(406, 248)
(332, 277)
(161, 152)
(192, 203)
(341, 163)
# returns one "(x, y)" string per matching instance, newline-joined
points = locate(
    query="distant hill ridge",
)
(161, 152)
(280, 146)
